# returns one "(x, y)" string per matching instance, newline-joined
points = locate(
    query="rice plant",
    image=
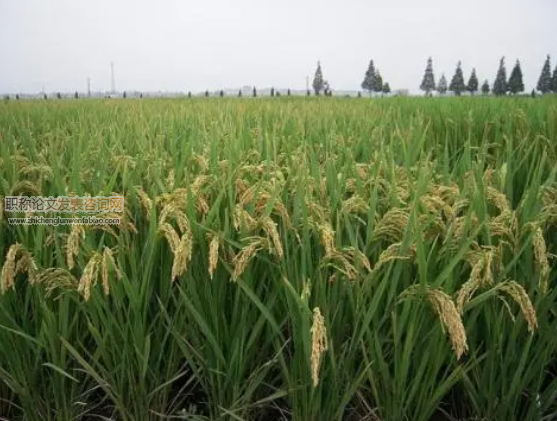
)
(283, 259)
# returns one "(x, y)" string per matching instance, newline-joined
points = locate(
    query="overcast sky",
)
(185, 45)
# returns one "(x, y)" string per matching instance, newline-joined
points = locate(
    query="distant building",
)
(401, 92)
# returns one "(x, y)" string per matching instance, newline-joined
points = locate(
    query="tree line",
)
(373, 82)
(501, 86)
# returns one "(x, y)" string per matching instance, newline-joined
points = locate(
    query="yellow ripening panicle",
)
(182, 255)
(213, 255)
(270, 228)
(108, 262)
(448, 315)
(242, 259)
(89, 276)
(519, 295)
(171, 236)
(541, 256)
(318, 344)
(8, 269)
(145, 200)
(77, 233)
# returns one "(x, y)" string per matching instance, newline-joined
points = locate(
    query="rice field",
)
(283, 259)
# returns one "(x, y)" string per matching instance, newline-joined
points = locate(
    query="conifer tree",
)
(254, 94)
(378, 82)
(554, 81)
(318, 82)
(457, 82)
(386, 88)
(473, 83)
(442, 85)
(369, 79)
(485, 87)
(500, 84)
(428, 81)
(515, 80)
(544, 82)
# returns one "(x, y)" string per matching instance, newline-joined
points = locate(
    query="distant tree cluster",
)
(547, 82)
(319, 83)
(501, 86)
(373, 81)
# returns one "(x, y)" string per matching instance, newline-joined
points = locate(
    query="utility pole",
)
(112, 79)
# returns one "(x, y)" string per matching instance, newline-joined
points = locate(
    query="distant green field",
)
(283, 259)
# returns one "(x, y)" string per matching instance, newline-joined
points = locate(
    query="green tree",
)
(318, 81)
(189, 94)
(485, 87)
(554, 80)
(515, 80)
(378, 82)
(254, 93)
(500, 84)
(386, 88)
(239, 93)
(428, 81)
(288, 93)
(207, 93)
(442, 85)
(76, 95)
(273, 92)
(369, 79)
(473, 83)
(457, 82)
(544, 82)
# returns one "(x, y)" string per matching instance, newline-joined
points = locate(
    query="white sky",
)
(185, 45)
